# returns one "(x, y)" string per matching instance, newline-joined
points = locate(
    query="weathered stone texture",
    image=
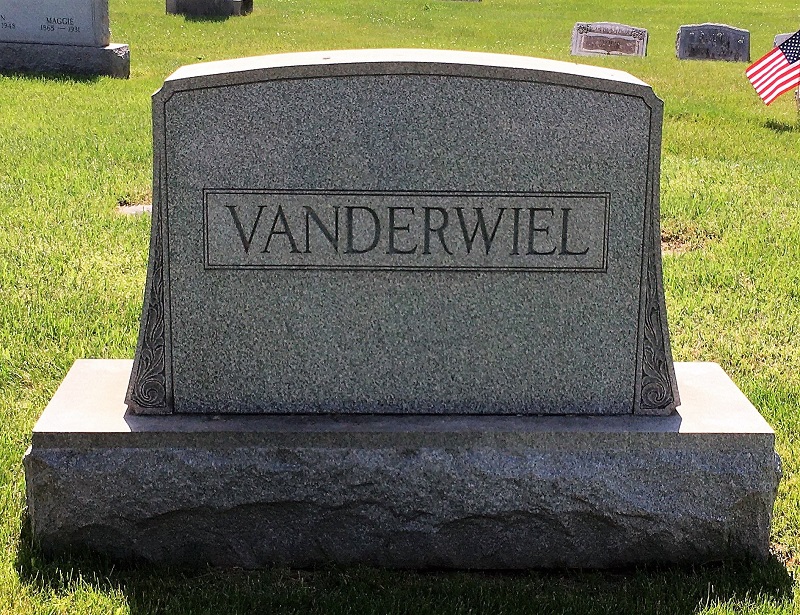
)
(55, 22)
(713, 41)
(608, 38)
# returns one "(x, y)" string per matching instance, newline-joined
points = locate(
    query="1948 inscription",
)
(407, 231)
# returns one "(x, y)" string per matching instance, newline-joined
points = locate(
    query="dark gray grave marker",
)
(368, 257)
(713, 41)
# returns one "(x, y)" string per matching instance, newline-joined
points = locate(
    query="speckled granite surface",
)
(404, 232)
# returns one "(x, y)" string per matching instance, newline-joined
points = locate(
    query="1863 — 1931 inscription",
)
(404, 231)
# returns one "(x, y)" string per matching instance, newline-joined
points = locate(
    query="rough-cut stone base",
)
(113, 60)
(210, 8)
(402, 491)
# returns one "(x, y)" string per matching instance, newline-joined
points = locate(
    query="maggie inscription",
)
(409, 231)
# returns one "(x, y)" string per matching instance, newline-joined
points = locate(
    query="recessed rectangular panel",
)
(405, 231)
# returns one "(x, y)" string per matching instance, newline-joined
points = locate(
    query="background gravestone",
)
(606, 38)
(712, 41)
(70, 36)
(781, 38)
(383, 393)
(210, 8)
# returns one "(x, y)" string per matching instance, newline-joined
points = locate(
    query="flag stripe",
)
(777, 81)
(769, 69)
(773, 55)
(778, 90)
(786, 87)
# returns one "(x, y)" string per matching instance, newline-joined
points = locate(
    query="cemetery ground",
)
(74, 151)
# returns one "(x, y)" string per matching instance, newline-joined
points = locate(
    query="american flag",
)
(778, 71)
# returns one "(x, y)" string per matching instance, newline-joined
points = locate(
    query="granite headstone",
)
(58, 22)
(607, 38)
(364, 297)
(60, 36)
(373, 260)
(781, 38)
(713, 41)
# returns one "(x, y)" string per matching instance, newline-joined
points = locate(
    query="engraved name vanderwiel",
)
(254, 229)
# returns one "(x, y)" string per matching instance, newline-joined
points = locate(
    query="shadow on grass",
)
(57, 77)
(331, 590)
(777, 126)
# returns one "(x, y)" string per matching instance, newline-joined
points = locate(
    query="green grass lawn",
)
(72, 276)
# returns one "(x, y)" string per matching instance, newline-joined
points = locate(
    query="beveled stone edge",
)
(363, 62)
(88, 411)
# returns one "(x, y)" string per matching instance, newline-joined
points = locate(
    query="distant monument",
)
(607, 38)
(406, 311)
(60, 36)
(210, 8)
(713, 41)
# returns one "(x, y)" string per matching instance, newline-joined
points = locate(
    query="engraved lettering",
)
(515, 240)
(333, 238)
(350, 222)
(439, 230)
(393, 249)
(280, 216)
(61, 21)
(480, 224)
(533, 229)
(564, 233)
(383, 230)
(246, 241)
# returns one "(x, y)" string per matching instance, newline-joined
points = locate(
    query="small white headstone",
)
(56, 22)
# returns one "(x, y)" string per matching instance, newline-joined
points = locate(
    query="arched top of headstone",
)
(342, 63)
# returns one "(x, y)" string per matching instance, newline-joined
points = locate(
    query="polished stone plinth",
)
(472, 492)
